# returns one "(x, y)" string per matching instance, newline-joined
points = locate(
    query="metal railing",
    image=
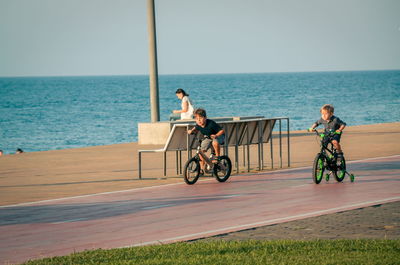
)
(238, 133)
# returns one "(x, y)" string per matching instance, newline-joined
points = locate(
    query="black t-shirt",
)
(333, 124)
(211, 128)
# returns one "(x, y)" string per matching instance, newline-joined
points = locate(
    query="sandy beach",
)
(47, 175)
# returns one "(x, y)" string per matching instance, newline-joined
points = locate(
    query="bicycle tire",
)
(318, 168)
(341, 172)
(222, 170)
(191, 171)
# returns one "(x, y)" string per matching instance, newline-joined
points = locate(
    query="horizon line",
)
(220, 73)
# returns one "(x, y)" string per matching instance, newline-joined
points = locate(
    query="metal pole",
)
(244, 154)
(288, 142)
(177, 165)
(259, 144)
(264, 127)
(189, 151)
(237, 147)
(180, 162)
(280, 142)
(262, 144)
(151, 28)
(272, 151)
(226, 144)
(140, 165)
(248, 148)
(165, 163)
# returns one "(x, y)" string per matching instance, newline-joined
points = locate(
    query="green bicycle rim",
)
(320, 166)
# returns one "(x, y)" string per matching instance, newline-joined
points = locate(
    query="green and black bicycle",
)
(327, 159)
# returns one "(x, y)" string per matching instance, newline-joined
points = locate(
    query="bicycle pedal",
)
(327, 177)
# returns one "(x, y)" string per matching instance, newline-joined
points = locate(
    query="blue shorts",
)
(336, 137)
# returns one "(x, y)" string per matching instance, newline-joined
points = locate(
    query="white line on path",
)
(69, 221)
(157, 206)
(172, 184)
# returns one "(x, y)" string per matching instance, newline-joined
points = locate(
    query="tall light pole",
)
(151, 28)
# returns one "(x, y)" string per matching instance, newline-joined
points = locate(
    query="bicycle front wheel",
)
(341, 171)
(191, 171)
(318, 168)
(222, 170)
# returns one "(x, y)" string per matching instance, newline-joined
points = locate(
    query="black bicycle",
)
(327, 159)
(220, 170)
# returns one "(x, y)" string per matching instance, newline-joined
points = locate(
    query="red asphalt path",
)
(179, 212)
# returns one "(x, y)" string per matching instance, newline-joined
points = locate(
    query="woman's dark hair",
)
(180, 90)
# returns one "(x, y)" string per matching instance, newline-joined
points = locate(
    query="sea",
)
(52, 113)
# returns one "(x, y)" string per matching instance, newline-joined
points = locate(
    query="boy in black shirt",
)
(331, 123)
(209, 128)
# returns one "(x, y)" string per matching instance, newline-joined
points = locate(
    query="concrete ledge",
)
(157, 132)
(153, 132)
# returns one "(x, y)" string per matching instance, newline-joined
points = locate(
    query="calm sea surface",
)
(48, 113)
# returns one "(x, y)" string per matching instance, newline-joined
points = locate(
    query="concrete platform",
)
(156, 133)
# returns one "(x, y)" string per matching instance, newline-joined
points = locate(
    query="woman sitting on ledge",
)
(187, 107)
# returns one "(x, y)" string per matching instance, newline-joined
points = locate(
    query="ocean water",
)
(49, 113)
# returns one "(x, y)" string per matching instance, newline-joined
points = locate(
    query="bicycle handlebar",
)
(198, 138)
(322, 135)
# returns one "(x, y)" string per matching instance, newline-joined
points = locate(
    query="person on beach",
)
(331, 123)
(187, 106)
(19, 151)
(1, 152)
(214, 133)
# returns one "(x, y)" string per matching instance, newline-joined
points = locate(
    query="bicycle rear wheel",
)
(341, 171)
(191, 171)
(222, 170)
(318, 168)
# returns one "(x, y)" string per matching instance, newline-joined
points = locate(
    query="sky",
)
(102, 37)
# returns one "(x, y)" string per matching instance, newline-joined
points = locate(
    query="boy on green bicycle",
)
(331, 123)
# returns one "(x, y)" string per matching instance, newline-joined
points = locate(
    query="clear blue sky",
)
(102, 37)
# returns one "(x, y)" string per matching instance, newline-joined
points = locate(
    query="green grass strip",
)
(244, 252)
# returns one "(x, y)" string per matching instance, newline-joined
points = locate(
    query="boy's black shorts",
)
(336, 137)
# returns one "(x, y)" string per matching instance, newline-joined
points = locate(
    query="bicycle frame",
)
(200, 152)
(328, 150)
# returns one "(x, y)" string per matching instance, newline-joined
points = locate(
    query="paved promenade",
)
(178, 212)
(39, 176)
